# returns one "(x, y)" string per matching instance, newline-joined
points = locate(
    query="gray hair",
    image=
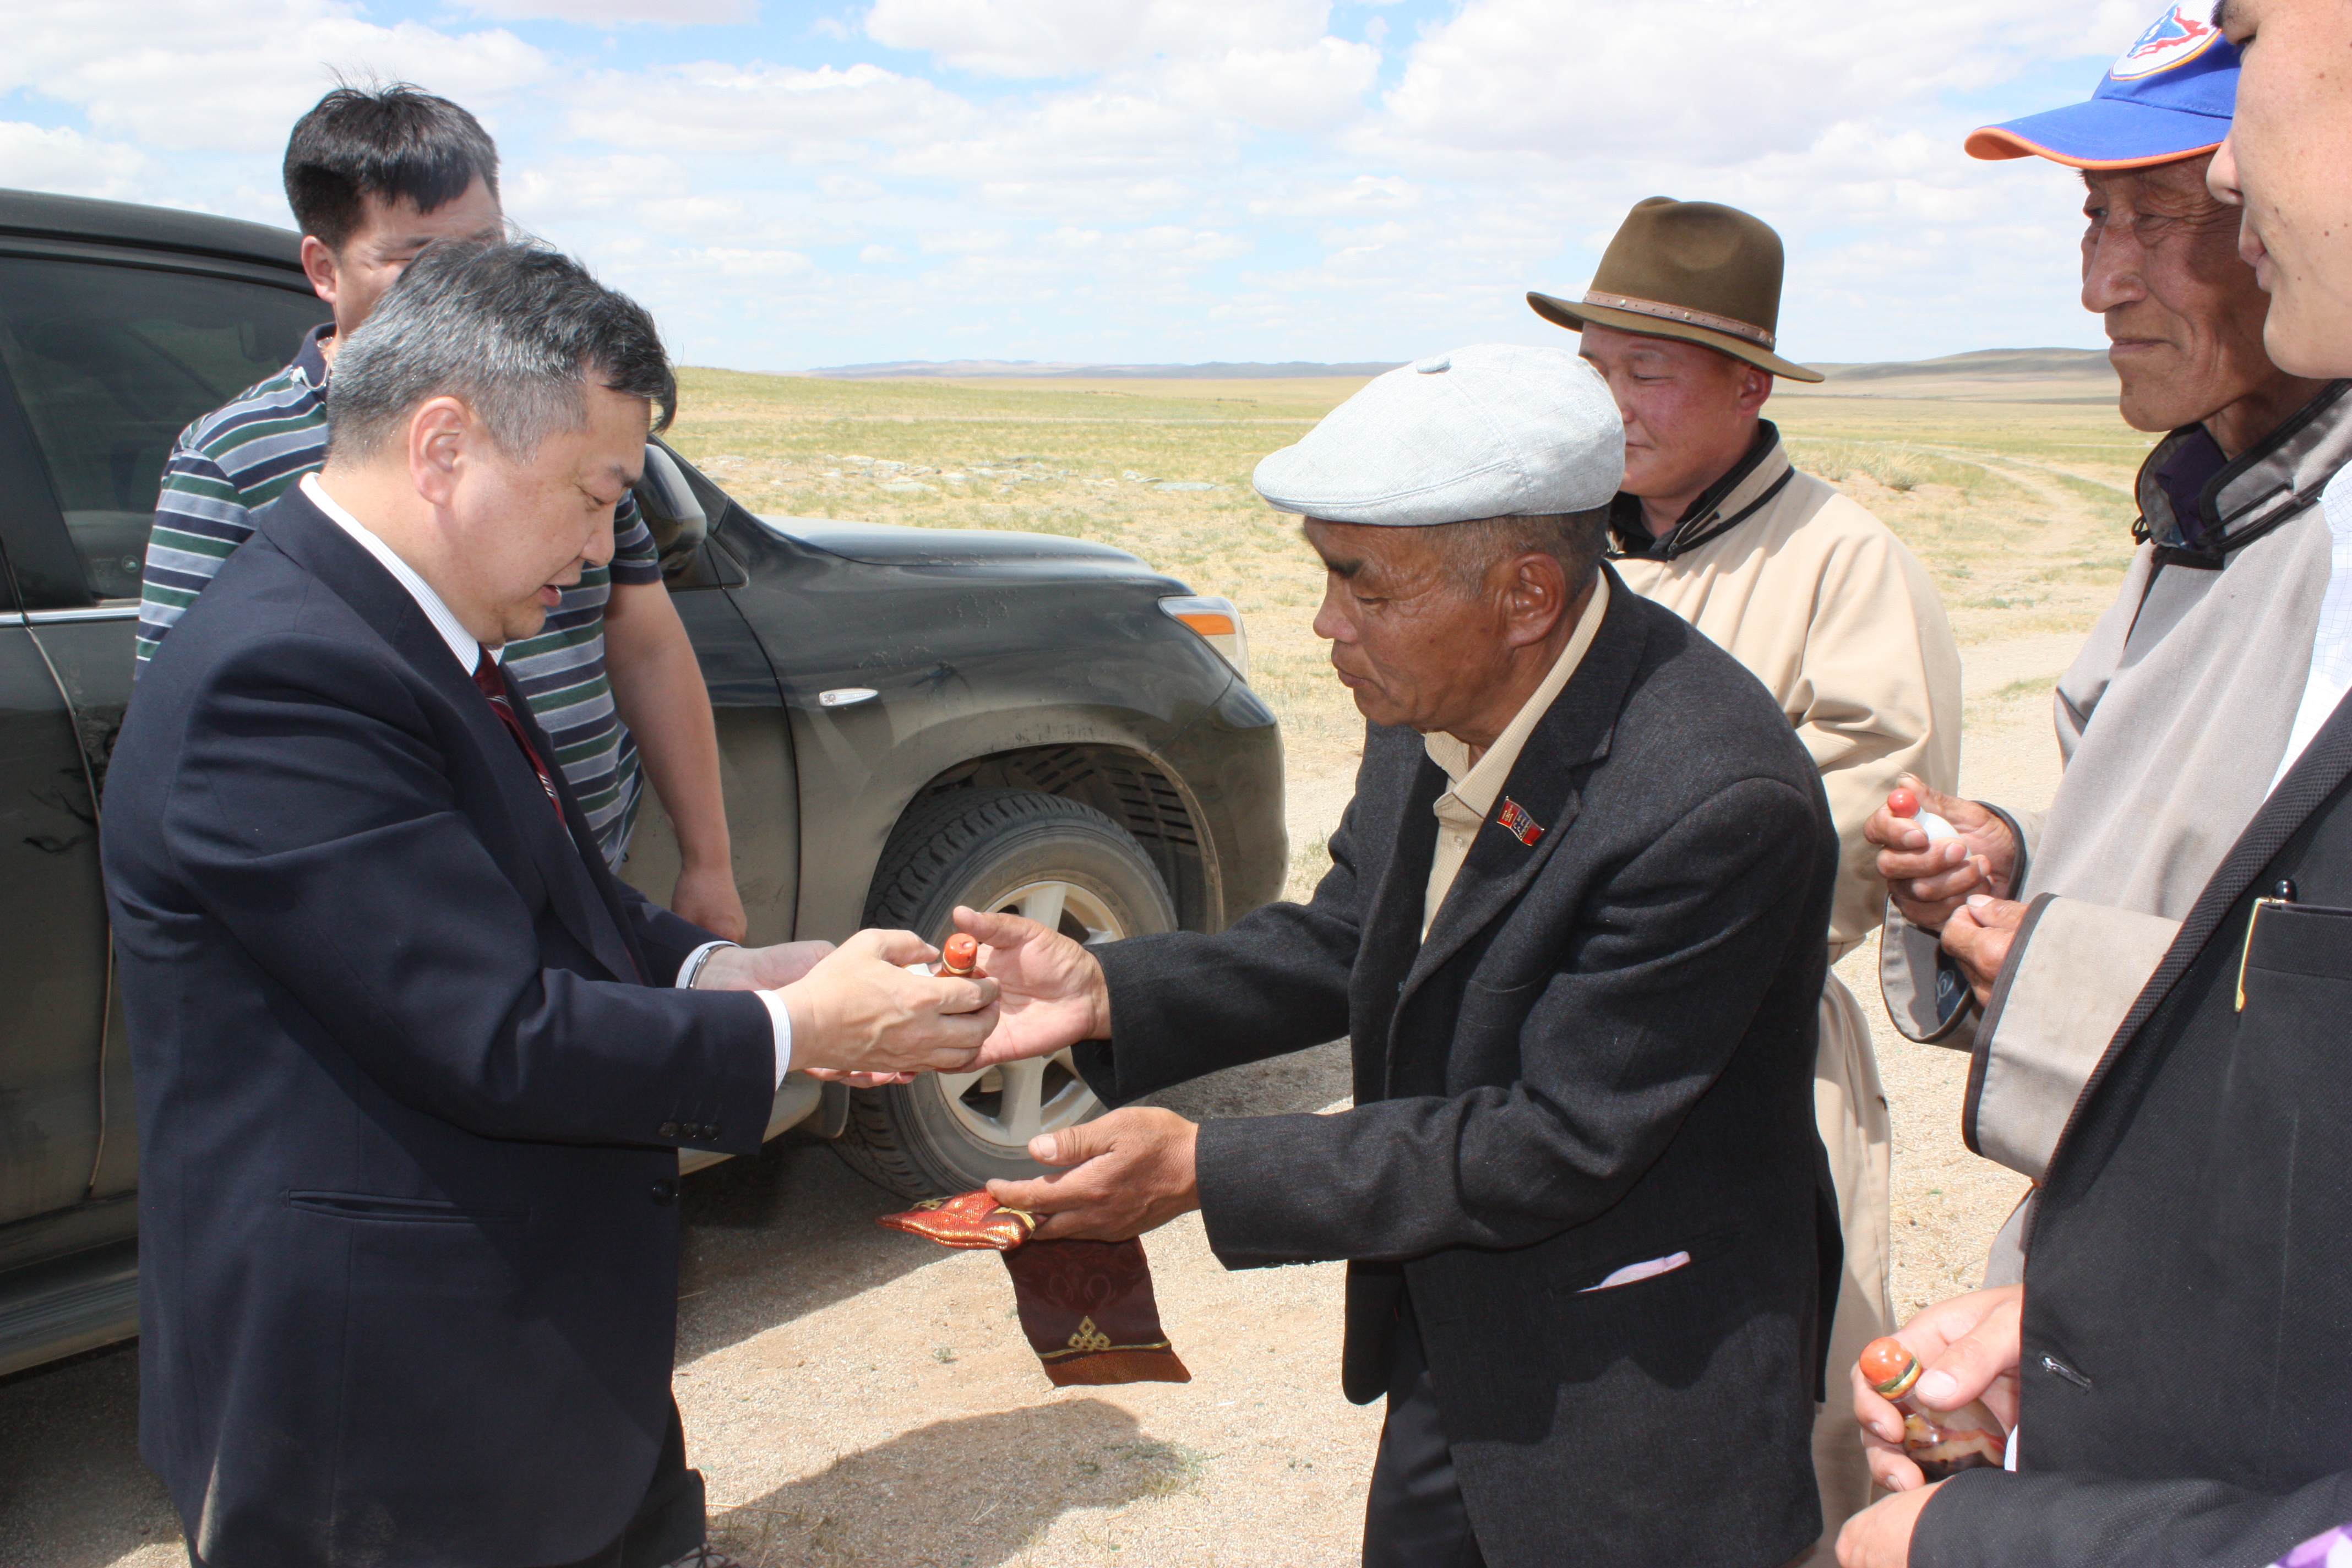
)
(513, 328)
(1469, 550)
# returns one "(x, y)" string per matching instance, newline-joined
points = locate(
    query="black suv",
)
(908, 719)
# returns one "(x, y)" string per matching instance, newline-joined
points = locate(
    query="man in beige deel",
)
(1824, 605)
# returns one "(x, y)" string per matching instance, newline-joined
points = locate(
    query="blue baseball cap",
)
(2170, 95)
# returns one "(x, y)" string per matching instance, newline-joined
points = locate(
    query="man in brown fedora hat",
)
(1822, 604)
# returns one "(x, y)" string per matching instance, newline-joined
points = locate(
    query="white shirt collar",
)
(462, 645)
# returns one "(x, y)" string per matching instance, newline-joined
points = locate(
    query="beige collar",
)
(1477, 786)
(1462, 810)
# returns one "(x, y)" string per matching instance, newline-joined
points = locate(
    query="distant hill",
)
(1216, 371)
(1986, 375)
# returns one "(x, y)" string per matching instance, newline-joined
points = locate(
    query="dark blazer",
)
(411, 1089)
(2187, 1367)
(1603, 1054)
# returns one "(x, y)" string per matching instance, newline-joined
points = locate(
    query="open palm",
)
(1051, 993)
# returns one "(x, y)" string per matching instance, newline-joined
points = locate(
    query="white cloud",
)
(825, 115)
(1027, 38)
(1706, 83)
(234, 74)
(36, 158)
(1303, 89)
(607, 13)
(1149, 179)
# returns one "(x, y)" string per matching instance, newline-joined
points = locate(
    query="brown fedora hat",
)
(1694, 270)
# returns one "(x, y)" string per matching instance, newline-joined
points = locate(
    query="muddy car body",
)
(908, 719)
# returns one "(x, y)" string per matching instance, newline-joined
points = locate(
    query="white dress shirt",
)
(467, 652)
(2331, 643)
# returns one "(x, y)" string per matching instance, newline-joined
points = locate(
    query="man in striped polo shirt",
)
(373, 176)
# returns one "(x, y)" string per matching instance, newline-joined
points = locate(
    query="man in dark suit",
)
(2177, 1362)
(1572, 930)
(414, 1069)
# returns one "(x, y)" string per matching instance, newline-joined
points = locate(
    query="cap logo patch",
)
(1514, 820)
(2175, 39)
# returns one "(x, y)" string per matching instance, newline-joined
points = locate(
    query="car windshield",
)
(111, 362)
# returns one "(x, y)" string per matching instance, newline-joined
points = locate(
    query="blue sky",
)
(798, 185)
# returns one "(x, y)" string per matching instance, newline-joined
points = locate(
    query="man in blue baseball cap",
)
(2047, 929)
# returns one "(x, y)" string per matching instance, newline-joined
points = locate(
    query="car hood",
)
(895, 544)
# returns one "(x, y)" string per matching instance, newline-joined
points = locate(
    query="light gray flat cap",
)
(1491, 430)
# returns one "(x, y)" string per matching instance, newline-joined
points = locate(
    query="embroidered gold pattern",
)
(1089, 1337)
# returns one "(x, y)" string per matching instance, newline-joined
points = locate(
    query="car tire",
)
(1003, 849)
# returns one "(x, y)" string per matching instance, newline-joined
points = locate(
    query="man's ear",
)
(440, 435)
(1755, 386)
(319, 266)
(1535, 599)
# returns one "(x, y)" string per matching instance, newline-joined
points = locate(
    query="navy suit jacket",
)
(412, 1083)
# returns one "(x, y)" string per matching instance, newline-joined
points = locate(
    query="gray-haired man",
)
(1572, 929)
(413, 1068)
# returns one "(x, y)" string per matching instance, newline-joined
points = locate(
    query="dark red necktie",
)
(494, 686)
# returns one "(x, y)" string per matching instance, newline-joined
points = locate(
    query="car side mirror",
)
(678, 523)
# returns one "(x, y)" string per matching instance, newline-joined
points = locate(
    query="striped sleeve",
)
(224, 466)
(635, 559)
(200, 520)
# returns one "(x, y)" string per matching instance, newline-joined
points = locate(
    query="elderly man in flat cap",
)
(2027, 938)
(1568, 930)
(1814, 595)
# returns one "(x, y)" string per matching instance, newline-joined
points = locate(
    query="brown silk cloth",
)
(1087, 1306)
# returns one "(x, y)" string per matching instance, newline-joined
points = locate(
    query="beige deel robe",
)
(1842, 625)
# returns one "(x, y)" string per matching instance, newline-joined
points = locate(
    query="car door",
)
(52, 921)
(106, 353)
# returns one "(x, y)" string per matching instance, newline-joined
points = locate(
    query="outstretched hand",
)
(859, 1011)
(1930, 879)
(1051, 992)
(1969, 1348)
(1130, 1171)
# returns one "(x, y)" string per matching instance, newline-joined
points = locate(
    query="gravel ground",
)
(857, 1396)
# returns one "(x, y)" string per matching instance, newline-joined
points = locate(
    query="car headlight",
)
(1217, 622)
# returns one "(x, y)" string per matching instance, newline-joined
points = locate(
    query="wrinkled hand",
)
(1880, 1535)
(759, 968)
(1131, 1171)
(1978, 937)
(707, 896)
(1929, 880)
(858, 1010)
(1054, 993)
(1968, 1347)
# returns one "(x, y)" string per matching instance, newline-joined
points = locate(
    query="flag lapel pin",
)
(1515, 821)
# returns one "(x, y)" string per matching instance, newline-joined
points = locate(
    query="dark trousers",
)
(667, 1526)
(669, 1522)
(1413, 1517)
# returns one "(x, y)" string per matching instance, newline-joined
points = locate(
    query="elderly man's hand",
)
(1053, 992)
(1131, 1171)
(1930, 880)
(1978, 937)
(1967, 1348)
(1880, 1535)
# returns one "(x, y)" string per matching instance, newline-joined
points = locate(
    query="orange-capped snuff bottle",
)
(959, 955)
(1942, 1443)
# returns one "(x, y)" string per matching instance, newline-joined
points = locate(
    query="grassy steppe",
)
(2020, 510)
